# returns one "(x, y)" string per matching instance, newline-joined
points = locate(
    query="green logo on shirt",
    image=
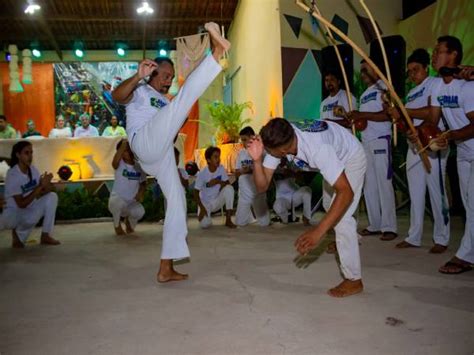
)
(157, 102)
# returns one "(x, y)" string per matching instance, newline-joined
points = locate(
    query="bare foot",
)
(46, 239)
(306, 222)
(119, 230)
(230, 224)
(347, 288)
(219, 44)
(331, 248)
(170, 275)
(16, 242)
(128, 226)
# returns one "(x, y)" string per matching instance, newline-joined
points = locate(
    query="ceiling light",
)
(79, 53)
(32, 7)
(36, 53)
(120, 52)
(145, 9)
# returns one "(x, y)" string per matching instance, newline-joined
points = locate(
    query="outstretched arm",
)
(342, 201)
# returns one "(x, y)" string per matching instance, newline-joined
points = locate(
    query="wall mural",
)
(81, 87)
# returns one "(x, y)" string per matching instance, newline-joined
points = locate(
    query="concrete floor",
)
(96, 294)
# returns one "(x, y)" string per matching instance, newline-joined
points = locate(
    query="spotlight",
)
(120, 52)
(79, 53)
(32, 8)
(163, 52)
(36, 53)
(145, 9)
(8, 56)
(121, 49)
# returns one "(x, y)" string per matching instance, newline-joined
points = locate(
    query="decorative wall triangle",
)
(295, 24)
(341, 24)
(367, 29)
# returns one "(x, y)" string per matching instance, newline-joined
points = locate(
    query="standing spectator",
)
(61, 131)
(114, 130)
(6, 130)
(86, 129)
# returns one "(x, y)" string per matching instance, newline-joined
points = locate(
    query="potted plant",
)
(227, 120)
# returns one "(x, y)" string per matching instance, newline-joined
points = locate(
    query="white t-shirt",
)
(324, 146)
(340, 99)
(143, 106)
(60, 132)
(127, 180)
(285, 188)
(247, 186)
(18, 183)
(371, 101)
(184, 174)
(90, 131)
(418, 97)
(208, 194)
(456, 99)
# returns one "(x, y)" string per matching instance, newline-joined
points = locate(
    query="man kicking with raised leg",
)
(152, 124)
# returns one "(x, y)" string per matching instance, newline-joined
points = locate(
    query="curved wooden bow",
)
(385, 61)
(341, 63)
(423, 155)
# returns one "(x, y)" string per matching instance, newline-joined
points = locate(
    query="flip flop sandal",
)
(460, 268)
(365, 232)
(405, 244)
(386, 236)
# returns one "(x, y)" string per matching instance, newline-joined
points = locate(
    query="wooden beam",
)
(123, 19)
(93, 38)
(51, 39)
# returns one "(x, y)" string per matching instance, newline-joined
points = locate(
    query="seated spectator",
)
(86, 129)
(213, 190)
(289, 195)
(61, 131)
(128, 190)
(114, 130)
(250, 205)
(6, 130)
(31, 130)
(29, 198)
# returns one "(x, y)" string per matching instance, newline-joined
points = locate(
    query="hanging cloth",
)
(190, 52)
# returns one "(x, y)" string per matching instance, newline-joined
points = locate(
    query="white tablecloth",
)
(88, 157)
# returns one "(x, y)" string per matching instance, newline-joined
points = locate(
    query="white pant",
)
(225, 197)
(418, 180)
(258, 203)
(23, 220)
(466, 183)
(378, 189)
(301, 196)
(119, 207)
(347, 240)
(153, 146)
